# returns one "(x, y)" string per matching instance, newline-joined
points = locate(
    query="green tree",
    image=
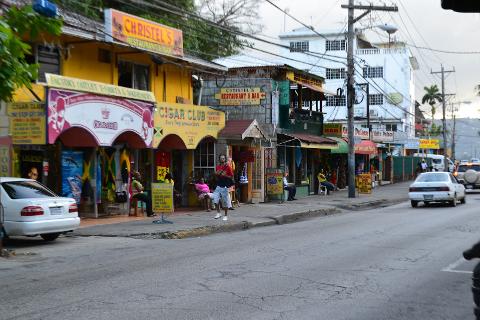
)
(432, 96)
(16, 23)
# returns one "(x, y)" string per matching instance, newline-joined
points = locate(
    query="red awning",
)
(366, 147)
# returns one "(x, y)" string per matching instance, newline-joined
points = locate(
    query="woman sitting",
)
(204, 194)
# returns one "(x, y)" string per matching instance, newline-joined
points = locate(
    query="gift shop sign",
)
(240, 96)
(27, 122)
(143, 34)
(104, 117)
(190, 122)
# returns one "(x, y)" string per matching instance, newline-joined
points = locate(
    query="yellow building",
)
(110, 99)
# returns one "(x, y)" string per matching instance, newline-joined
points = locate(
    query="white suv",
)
(469, 175)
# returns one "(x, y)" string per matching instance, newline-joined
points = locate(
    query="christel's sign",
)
(240, 96)
(142, 33)
(27, 122)
(190, 122)
(102, 116)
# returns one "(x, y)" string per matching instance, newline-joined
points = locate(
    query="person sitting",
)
(323, 182)
(292, 190)
(138, 192)
(204, 194)
(177, 196)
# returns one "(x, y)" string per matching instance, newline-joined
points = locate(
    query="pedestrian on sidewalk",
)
(224, 175)
(292, 190)
(139, 193)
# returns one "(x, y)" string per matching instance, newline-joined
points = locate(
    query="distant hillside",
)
(467, 137)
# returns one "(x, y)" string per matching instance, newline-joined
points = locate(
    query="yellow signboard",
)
(364, 183)
(332, 129)
(162, 197)
(190, 122)
(274, 181)
(429, 144)
(4, 161)
(240, 96)
(27, 122)
(142, 33)
(75, 84)
(316, 84)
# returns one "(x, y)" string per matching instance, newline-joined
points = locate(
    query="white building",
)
(387, 67)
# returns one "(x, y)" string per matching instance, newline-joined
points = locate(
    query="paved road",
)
(389, 263)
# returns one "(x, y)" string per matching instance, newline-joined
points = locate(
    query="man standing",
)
(292, 190)
(224, 175)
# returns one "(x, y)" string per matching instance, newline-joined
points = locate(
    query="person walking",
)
(224, 175)
(139, 193)
(292, 190)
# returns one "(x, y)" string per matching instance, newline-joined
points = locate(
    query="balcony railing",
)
(380, 51)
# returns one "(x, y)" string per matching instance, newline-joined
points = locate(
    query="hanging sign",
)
(104, 117)
(162, 197)
(142, 33)
(27, 122)
(240, 96)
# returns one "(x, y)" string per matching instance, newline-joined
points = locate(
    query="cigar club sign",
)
(240, 96)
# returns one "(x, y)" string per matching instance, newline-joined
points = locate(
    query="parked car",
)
(463, 161)
(475, 160)
(438, 163)
(28, 208)
(436, 187)
(468, 174)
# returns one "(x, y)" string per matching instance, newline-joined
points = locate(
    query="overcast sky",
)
(422, 23)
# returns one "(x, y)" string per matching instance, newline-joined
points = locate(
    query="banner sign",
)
(4, 161)
(429, 144)
(143, 34)
(240, 96)
(72, 172)
(274, 181)
(75, 84)
(332, 129)
(27, 122)
(190, 122)
(162, 197)
(364, 183)
(104, 117)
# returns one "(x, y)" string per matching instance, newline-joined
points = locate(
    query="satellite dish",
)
(388, 28)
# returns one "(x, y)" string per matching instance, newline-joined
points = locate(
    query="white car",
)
(436, 187)
(28, 208)
(475, 160)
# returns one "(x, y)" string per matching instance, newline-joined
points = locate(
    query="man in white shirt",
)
(424, 166)
(292, 190)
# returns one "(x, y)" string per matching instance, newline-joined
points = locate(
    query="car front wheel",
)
(49, 236)
(414, 203)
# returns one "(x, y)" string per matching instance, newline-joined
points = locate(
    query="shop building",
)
(107, 102)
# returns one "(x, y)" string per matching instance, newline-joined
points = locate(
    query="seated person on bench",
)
(204, 194)
(139, 193)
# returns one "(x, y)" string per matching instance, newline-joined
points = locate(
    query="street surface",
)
(388, 263)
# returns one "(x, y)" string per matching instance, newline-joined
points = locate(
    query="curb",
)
(372, 204)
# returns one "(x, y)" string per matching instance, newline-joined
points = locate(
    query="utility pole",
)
(351, 82)
(453, 138)
(444, 121)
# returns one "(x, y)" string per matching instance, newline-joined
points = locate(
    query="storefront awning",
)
(315, 88)
(342, 145)
(242, 129)
(311, 141)
(366, 147)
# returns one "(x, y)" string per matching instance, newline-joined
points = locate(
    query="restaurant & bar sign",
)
(240, 96)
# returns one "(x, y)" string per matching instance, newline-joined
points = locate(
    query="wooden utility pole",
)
(351, 82)
(444, 108)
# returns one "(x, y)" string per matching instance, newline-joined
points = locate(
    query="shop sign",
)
(240, 96)
(376, 135)
(332, 129)
(4, 161)
(412, 144)
(143, 34)
(27, 122)
(366, 147)
(104, 117)
(364, 183)
(300, 79)
(382, 135)
(190, 122)
(75, 84)
(162, 197)
(429, 144)
(274, 181)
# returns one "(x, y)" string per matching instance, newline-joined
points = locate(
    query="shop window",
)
(132, 75)
(204, 160)
(391, 127)
(257, 175)
(335, 45)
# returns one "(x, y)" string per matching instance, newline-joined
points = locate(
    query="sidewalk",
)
(247, 216)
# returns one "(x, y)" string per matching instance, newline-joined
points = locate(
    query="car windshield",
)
(475, 167)
(433, 177)
(26, 189)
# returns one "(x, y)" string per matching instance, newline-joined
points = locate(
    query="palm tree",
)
(432, 96)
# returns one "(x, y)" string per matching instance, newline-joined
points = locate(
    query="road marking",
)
(451, 267)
